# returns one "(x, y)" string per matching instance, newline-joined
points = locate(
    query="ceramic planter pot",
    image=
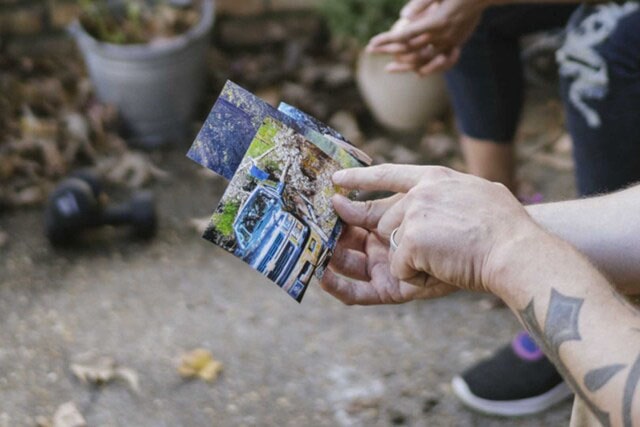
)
(155, 86)
(402, 101)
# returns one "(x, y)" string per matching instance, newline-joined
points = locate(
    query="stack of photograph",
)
(276, 213)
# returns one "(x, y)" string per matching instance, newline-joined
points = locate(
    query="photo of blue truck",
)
(277, 243)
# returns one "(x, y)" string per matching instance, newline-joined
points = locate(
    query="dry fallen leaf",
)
(131, 169)
(68, 415)
(555, 161)
(33, 127)
(201, 364)
(564, 144)
(105, 370)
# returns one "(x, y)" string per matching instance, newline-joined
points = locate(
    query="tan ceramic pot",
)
(400, 101)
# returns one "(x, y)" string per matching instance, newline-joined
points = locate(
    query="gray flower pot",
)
(155, 86)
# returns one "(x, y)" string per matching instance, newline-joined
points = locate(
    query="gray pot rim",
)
(146, 50)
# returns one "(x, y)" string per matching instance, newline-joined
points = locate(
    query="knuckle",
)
(369, 212)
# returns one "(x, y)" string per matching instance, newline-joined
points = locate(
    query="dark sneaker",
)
(517, 380)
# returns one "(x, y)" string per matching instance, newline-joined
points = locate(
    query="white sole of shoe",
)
(510, 408)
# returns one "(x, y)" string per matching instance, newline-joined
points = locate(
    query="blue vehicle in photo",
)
(276, 242)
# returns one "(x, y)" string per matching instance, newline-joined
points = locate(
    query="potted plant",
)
(403, 102)
(147, 57)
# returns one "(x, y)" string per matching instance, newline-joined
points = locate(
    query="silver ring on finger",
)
(393, 244)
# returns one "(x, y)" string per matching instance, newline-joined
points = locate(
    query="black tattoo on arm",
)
(629, 390)
(560, 326)
(596, 378)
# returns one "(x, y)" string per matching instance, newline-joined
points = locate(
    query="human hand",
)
(429, 35)
(359, 271)
(457, 228)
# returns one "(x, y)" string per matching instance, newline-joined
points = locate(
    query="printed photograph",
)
(276, 213)
(234, 120)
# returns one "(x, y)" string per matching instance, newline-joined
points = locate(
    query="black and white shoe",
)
(517, 380)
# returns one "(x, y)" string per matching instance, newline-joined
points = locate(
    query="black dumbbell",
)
(78, 203)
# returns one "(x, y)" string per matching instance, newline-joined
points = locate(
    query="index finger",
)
(388, 177)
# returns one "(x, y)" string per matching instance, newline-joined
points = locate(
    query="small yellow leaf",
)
(200, 363)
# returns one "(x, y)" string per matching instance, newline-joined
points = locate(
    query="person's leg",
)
(600, 81)
(486, 86)
(600, 86)
(489, 160)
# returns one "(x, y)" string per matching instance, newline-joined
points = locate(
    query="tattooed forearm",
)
(560, 326)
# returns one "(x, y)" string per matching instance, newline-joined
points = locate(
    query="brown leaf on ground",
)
(27, 196)
(33, 127)
(105, 370)
(132, 169)
(4, 239)
(199, 363)
(67, 415)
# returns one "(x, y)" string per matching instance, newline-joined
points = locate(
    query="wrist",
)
(516, 264)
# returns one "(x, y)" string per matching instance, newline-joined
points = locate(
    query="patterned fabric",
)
(580, 60)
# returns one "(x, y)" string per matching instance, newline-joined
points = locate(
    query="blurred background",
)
(113, 310)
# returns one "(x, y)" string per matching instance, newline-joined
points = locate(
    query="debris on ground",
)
(199, 363)
(50, 123)
(105, 370)
(4, 239)
(131, 169)
(67, 415)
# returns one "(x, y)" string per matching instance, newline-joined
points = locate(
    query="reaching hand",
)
(359, 270)
(457, 228)
(430, 34)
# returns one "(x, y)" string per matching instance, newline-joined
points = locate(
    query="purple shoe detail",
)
(526, 348)
(533, 199)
